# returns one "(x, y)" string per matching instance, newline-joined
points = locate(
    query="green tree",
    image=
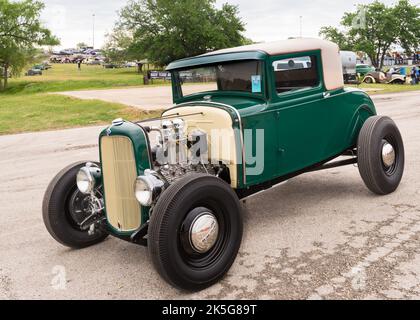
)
(81, 45)
(165, 30)
(338, 37)
(375, 28)
(116, 48)
(20, 32)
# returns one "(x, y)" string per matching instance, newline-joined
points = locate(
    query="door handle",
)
(326, 95)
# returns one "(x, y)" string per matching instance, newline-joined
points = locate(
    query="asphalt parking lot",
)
(320, 236)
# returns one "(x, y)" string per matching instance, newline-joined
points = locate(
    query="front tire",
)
(381, 156)
(195, 232)
(61, 204)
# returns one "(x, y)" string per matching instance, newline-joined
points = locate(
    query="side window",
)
(296, 74)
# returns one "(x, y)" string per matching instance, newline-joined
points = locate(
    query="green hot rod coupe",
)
(244, 120)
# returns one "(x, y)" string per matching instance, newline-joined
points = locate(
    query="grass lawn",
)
(66, 77)
(28, 106)
(387, 88)
(38, 112)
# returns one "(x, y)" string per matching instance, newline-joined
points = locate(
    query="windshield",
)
(243, 76)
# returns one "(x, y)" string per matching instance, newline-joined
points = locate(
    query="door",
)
(305, 118)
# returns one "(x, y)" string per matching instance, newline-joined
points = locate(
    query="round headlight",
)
(85, 181)
(148, 188)
(144, 191)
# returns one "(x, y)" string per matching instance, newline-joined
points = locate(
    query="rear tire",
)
(368, 80)
(170, 232)
(381, 166)
(55, 211)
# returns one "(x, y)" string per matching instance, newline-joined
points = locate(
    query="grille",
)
(119, 175)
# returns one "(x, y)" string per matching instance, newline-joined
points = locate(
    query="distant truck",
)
(349, 61)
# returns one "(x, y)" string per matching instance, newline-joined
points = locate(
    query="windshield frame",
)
(178, 96)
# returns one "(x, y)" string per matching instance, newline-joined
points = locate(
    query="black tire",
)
(55, 211)
(378, 177)
(399, 82)
(178, 266)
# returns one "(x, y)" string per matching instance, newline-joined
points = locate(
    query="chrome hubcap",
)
(388, 155)
(204, 232)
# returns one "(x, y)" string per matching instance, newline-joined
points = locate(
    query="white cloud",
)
(72, 21)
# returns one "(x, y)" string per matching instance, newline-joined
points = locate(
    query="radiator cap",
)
(117, 122)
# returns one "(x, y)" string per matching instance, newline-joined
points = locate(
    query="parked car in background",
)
(130, 65)
(34, 72)
(381, 77)
(93, 63)
(112, 66)
(42, 66)
(175, 183)
(363, 69)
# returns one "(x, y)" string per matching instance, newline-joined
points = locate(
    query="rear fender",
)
(369, 77)
(363, 113)
(398, 80)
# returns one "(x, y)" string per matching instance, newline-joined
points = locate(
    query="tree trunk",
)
(373, 60)
(139, 67)
(1, 80)
(382, 61)
(5, 75)
(385, 49)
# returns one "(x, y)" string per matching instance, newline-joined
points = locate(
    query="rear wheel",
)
(65, 209)
(381, 155)
(368, 80)
(195, 232)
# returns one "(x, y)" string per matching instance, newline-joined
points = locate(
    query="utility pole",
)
(300, 25)
(93, 34)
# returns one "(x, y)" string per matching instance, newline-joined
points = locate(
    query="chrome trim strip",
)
(210, 103)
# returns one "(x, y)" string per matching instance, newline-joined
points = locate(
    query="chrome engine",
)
(176, 151)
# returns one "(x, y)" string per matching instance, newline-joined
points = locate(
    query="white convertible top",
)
(330, 52)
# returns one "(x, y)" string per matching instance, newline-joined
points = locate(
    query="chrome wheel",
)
(388, 154)
(83, 209)
(204, 232)
(203, 236)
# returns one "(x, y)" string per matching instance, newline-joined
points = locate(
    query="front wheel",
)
(195, 232)
(381, 155)
(65, 209)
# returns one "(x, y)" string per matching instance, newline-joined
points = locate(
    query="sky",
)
(266, 20)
